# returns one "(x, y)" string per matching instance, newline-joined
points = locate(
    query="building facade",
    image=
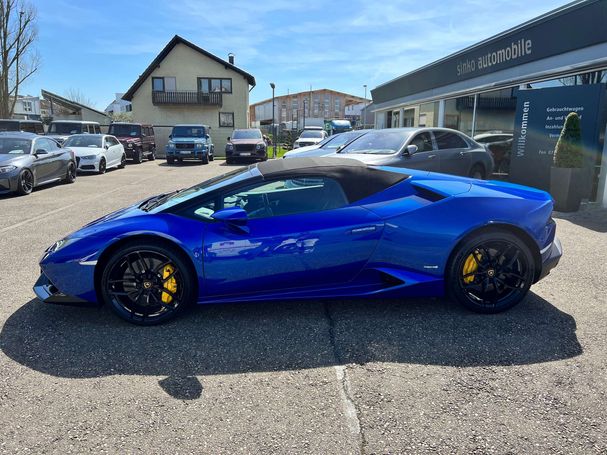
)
(118, 105)
(186, 84)
(56, 107)
(480, 89)
(314, 106)
(27, 107)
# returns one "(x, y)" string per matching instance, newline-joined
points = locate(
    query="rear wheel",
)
(25, 184)
(70, 174)
(477, 172)
(147, 284)
(490, 272)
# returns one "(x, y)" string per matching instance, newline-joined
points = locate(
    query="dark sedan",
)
(432, 149)
(28, 160)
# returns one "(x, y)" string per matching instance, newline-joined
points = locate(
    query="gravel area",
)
(333, 376)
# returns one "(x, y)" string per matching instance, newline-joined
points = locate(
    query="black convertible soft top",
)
(356, 178)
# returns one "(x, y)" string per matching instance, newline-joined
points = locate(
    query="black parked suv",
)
(138, 140)
(25, 126)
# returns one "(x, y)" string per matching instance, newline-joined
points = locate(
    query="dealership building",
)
(521, 84)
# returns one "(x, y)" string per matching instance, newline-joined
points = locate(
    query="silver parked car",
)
(28, 160)
(327, 146)
(432, 149)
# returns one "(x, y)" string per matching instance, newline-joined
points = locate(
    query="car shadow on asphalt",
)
(594, 218)
(77, 342)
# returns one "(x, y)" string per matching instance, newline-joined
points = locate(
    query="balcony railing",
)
(189, 97)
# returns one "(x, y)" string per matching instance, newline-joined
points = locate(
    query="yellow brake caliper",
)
(471, 266)
(170, 285)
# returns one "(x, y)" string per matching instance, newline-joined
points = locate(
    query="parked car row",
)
(432, 149)
(28, 160)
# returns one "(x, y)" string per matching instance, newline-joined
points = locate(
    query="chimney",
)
(231, 58)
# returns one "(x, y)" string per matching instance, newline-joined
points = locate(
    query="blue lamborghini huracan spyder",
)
(309, 228)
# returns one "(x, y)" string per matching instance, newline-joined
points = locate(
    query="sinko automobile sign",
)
(577, 26)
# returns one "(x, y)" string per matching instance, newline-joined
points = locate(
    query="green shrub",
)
(568, 152)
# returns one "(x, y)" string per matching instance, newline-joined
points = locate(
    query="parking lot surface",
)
(376, 376)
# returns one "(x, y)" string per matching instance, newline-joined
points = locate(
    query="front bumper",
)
(551, 256)
(8, 182)
(48, 293)
(90, 165)
(186, 154)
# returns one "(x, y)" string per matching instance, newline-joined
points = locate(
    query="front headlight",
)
(171, 145)
(89, 157)
(7, 169)
(199, 146)
(129, 145)
(61, 244)
(260, 146)
(229, 147)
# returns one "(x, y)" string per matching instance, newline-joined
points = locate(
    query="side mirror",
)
(410, 150)
(228, 138)
(40, 152)
(206, 136)
(235, 217)
(170, 136)
(107, 146)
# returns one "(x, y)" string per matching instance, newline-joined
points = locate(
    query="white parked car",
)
(96, 152)
(310, 137)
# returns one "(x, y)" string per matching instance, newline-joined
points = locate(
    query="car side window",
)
(423, 142)
(446, 140)
(97, 129)
(280, 198)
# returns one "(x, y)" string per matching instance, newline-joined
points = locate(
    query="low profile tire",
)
(477, 172)
(170, 160)
(147, 284)
(102, 166)
(70, 174)
(122, 162)
(138, 156)
(152, 155)
(25, 184)
(490, 272)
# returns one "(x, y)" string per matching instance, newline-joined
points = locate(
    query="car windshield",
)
(14, 146)
(188, 131)
(246, 134)
(83, 141)
(9, 125)
(378, 142)
(311, 134)
(125, 130)
(171, 199)
(340, 139)
(65, 128)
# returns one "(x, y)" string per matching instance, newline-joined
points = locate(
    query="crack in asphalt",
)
(351, 410)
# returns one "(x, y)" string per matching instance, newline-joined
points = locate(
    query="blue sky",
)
(100, 47)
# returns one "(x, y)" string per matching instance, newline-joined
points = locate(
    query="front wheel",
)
(137, 156)
(25, 184)
(490, 272)
(152, 155)
(170, 160)
(122, 161)
(147, 284)
(102, 166)
(204, 159)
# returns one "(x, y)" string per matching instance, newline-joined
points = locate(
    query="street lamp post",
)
(273, 124)
(365, 107)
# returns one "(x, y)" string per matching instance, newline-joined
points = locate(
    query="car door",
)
(300, 233)
(426, 157)
(43, 164)
(59, 163)
(454, 153)
(112, 152)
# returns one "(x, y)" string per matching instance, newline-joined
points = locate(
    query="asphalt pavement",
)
(317, 377)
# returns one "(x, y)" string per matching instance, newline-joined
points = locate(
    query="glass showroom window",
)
(458, 114)
(395, 119)
(428, 115)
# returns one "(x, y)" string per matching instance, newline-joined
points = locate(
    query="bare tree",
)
(19, 59)
(78, 96)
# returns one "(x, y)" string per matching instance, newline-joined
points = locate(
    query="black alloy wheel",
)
(70, 175)
(146, 284)
(122, 161)
(491, 272)
(25, 184)
(102, 166)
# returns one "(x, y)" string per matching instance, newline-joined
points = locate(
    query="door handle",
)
(362, 230)
(431, 156)
(461, 153)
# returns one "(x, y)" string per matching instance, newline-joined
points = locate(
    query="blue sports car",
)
(309, 228)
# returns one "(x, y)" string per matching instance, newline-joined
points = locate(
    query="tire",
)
(122, 161)
(477, 172)
(25, 184)
(152, 155)
(137, 156)
(170, 160)
(70, 174)
(204, 159)
(102, 166)
(147, 284)
(483, 264)
(229, 161)
(212, 156)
